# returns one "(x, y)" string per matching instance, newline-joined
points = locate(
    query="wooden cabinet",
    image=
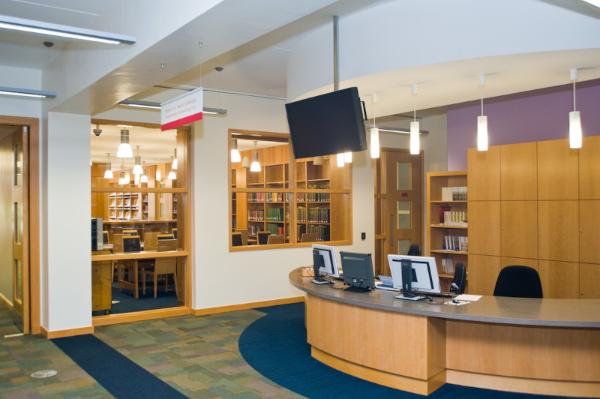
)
(589, 168)
(483, 273)
(507, 261)
(484, 227)
(559, 279)
(558, 171)
(589, 280)
(518, 171)
(484, 174)
(589, 226)
(519, 229)
(101, 286)
(559, 230)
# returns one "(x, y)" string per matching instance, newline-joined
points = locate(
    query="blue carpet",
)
(116, 373)
(127, 303)
(275, 345)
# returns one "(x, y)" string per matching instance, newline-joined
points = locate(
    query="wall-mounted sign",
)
(181, 110)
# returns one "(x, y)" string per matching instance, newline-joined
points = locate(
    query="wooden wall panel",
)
(507, 261)
(484, 227)
(589, 280)
(518, 171)
(559, 230)
(519, 223)
(589, 229)
(482, 274)
(558, 171)
(559, 279)
(484, 174)
(589, 168)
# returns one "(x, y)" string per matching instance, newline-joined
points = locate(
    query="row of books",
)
(447, 265)
(316, 215)
(454, 218)
(314, 197)
(275, 214)
(454, 193)
(256, 215)
(322, 232)
(456, 243)
(275, 229)
(268, 197)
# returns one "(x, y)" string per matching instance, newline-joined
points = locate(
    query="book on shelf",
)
(256, 215)
(454, 218)
(456, 243)
(317, 197)
(275, 229)
(275, 214)
(447, 265)
(454, 193)
(318, 215)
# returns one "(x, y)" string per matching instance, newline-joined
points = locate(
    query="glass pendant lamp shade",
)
(158, 175)
(255, 165)
(174, 163)
(575, 131)
(108, 173)
(122, 179)
(127, 178)
(136, 179)
(340, 160)
(124, 150)
(172, 175)
(482, 133)
(137, 167)
(348, 157)
(144, 179)
(374, 148)
(235, 153)
(414, 140)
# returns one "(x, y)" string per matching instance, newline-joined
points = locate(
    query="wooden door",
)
(20, 229)
(398, 205)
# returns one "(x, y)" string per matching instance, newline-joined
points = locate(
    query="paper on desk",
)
(455, 303)
(468, 298)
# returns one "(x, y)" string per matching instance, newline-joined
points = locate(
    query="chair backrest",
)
(236, 240)
(105, 237)
(263, 237)
(175, 232)
(117, 243)
(244, 234)
(132, 244)
(165, 236)
(150, 241)
(459, 282)
(309, 237)
(414, 250)
(519, 282)
(167, 245)
(165, 265)
(275, 239)
(130, 232)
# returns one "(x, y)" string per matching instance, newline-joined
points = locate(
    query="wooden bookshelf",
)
(438, 228)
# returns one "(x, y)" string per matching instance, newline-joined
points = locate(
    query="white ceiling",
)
(155, 146)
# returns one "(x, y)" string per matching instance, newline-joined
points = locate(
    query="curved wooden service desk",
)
(542, 346)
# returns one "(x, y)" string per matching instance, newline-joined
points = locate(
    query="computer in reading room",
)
(358, 271)
(324, 263)
(423, 275)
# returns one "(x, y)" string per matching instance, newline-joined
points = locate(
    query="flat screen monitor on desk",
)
(330, 263)
(424, 273)
(358, 271)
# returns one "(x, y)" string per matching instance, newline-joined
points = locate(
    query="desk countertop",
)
(140, 255)
(569, 313)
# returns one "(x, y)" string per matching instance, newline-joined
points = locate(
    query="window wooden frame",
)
(292, 189)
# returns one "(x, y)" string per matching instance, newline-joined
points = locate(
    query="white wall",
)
(250, 275)
(25, 78)
(67, 275)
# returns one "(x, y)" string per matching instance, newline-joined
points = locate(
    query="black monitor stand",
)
(318, 263)
(407, 276)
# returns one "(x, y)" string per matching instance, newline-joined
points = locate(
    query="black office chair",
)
(236, 239)
(263, 237)
(459, 282)
(414, 250)
(519, 282)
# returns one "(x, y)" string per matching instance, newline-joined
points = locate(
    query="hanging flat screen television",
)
(327, 124)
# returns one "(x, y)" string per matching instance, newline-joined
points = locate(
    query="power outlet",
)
(363, 236)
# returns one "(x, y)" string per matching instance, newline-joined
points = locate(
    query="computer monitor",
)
(424, 273)
(358, 271)
(330, 263)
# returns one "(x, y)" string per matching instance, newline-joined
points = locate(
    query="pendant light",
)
(235, 153)
(340, 160)
(144, 179)
(255, 165)
(575, 131)
(136, 180)
(108, 173)
(348, 157)
(137, 166)
(414, 141)
(172, 175)
(374, 146)
(482, 125)
(174, 163)
(158, 175)
(124, 150)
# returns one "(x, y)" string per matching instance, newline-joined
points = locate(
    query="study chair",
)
(165, 236)
(150, 240)
(263, 237)
(414, 250)
(275, 239)
(162, 267)
(236, 240)
(459, 282)
(309, 237)
(519, 282)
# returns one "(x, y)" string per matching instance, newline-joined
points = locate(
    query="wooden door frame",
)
(381, 235)
(34, 216)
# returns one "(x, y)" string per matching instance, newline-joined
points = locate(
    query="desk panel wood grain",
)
(140, 255)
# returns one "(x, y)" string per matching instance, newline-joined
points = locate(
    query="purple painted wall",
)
(530, 116)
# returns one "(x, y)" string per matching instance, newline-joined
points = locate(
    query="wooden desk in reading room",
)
(540, 346)
(102, 274)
